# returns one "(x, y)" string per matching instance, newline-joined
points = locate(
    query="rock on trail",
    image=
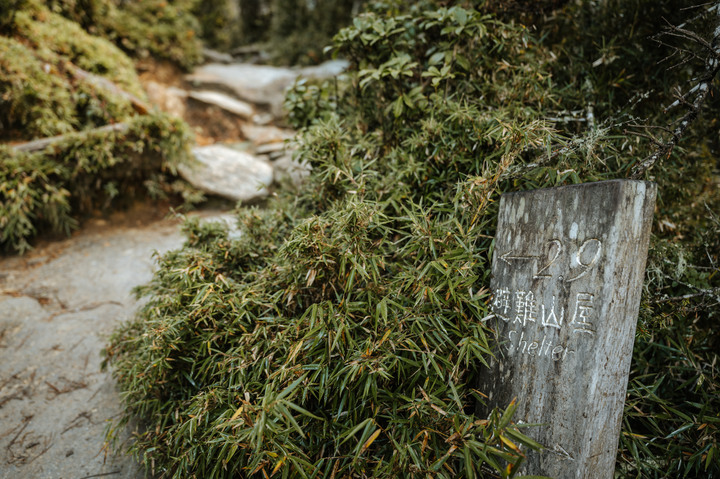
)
(261, 84)
(237, 107)
(233, 174)
(58, 305)
(240, 155)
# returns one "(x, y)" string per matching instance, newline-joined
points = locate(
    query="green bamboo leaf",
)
(288, 390)
(508, 414)
(299, 409)
(286, 414)
(348, 434)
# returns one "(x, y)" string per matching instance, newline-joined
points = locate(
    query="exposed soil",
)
(161, 71)
(212, 125)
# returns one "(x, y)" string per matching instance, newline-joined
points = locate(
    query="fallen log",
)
(41, 144)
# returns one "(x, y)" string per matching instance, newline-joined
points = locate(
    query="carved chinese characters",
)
(519, 307)
(567, 268)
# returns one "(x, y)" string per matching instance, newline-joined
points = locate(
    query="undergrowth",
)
(85, 173)
(88, 169)
(340, 334)
(165, 30)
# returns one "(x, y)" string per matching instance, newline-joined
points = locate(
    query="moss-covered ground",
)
(49, 71)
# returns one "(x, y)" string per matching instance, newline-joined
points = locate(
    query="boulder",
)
(229, 173)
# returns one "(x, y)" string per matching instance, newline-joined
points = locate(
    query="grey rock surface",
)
(226, 102)
(58, 305)
(289, 169)
(229, 173)
(271, 149)
(327, 69)
(216, 56)
(261, 84)
(260, 135)
(169, 99)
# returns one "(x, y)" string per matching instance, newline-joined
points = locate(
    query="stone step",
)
(262, 85)
(226, 172)
(226, 102)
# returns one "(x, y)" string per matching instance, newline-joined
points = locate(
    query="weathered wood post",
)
(568, 268)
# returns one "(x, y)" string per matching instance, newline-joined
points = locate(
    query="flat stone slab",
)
(226, 102)
(216, 56)
(229, 173)
(270, 148)
(261, 84)
(260, 135)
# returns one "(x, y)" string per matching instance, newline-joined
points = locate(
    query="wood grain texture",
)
(568, 268)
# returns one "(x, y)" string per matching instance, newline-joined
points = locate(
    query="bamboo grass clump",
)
(339, 334)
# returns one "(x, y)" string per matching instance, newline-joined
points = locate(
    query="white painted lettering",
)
(525, 307)
(501, 303)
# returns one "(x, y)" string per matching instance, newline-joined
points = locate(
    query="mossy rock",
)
(159, 28)
(41, 94)
(34, 100)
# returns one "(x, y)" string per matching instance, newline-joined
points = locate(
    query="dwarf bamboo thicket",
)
(339, 334)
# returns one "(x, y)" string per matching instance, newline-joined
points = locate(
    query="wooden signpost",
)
(568, 269)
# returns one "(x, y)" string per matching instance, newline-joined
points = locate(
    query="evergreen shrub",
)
(612, 64)
(339, 335)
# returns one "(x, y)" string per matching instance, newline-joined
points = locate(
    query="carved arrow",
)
(509, 255)
(560, 451)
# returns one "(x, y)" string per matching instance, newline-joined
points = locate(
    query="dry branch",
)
(700, 91)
